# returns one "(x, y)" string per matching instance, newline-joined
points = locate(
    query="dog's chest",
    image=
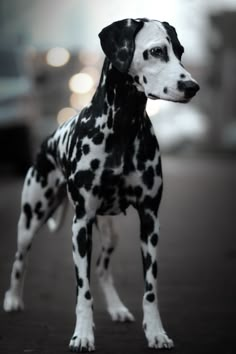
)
(111, 168)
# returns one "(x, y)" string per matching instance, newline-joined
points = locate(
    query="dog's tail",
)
(55, 221)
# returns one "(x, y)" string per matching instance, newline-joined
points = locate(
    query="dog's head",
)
(150, 52)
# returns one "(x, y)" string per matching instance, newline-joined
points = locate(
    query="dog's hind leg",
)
(117, 310)
(38, 201)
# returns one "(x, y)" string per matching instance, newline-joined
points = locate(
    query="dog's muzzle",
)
(190, 88)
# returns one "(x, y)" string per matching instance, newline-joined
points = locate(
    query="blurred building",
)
(221, 83)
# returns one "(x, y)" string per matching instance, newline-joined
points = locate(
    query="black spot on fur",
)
(165, 54)
(98, 138)
(148, 287)
(110, 96)
(73, 190)
(38, 210)
(109, 143)
(64, 137)
(144, 79)
(138, 191)
(87, 295)
(153, 203)
(28, 214)
(182, 76)
(148, 177)
(147, 222)
(77, 274)
(82, 242)
(95, 164)
(154, 269)
(105, 108)
(80, 282)
(144, 326)
(110, 119)
(86, 149)
(84, 178)
(154, 240)
(17, 275)
(49, 193)
(165, 90)
(145, 55)
(159, 168)
(148, 261)
(150, 297)
(44, 165)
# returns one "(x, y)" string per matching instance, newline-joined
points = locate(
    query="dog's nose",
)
(190, 88)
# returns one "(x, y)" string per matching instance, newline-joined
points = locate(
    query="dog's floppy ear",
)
(177, 47)
(117, 41)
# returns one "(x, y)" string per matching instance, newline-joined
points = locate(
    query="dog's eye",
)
(156, 52)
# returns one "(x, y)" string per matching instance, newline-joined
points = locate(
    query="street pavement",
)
(197, 269)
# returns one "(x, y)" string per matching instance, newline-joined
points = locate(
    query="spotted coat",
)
(105, 159)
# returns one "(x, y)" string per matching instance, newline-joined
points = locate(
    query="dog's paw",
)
(159, 340)
(121, 314)
(80, 344)
(12, 302)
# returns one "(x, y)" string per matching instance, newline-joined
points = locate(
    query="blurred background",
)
(50, 62)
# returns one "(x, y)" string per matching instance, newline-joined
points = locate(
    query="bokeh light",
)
(57, 56)
(93, 72)
(79, 101)
(81, 83)
(64, 114)
(89, 58)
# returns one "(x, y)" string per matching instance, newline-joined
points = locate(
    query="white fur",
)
(159, 74)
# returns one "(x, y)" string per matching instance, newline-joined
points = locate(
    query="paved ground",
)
(197, 270)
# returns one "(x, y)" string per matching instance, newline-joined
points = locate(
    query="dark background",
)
(197, 253)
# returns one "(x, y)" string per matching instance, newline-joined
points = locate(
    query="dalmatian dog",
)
(105, 159)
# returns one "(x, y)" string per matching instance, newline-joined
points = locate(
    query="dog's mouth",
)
(177, 100)
(184, 100)
(153, 97)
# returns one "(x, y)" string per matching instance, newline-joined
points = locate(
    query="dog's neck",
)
(118, 99)
(117, 93)
(122, 108)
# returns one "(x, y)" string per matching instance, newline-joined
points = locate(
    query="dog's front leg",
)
(83, 337)
(152, 324)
